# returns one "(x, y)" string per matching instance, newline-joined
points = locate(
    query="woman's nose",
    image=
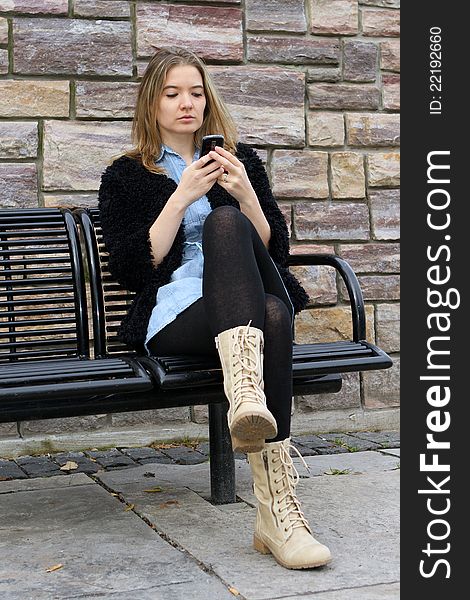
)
(187, 101)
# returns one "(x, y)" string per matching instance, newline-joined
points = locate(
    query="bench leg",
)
(222, 462)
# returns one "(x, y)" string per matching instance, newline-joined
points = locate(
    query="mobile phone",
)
(209, 142)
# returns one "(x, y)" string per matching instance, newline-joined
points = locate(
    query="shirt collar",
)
(166, 148)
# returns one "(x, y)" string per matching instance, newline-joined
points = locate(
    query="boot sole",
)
(253, 427)
(239, 445)
(261, 547)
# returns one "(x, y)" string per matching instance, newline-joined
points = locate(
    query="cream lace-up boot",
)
(281, 527)
(241, 356)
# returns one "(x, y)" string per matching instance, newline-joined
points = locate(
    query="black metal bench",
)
(52, 367)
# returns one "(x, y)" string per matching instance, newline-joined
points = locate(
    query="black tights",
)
(240, 283)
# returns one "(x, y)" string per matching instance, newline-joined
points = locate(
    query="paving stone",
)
(291, 50)
(377, 22)
(184, 455)
(106, 551)
(351, 443)
(387, 439)
(141, 453)
(56, 7)
(391, 91)
(22, 98)
(365, 551)
(360, 61)
(3, 61)
(304, 450)
(85, 465)
(110, 458)
(338, 17)
(39, 466)
(319, 221)
(18, 140)
(279, 15)
(10, 470)
(317, 443)
(18, 185)
(146, 455)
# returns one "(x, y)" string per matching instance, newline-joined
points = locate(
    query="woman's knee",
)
(224, 219)
(277, 313)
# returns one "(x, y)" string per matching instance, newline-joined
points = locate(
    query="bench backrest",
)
(42, 286)
(110, 300)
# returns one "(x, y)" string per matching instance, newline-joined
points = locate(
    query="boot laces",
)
(246, 368)
(289, 480)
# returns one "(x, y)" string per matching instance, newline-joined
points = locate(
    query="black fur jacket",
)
(131, 198)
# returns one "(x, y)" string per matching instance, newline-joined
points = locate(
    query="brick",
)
(249, 93)
(300, 174)
(141, 453)
(382, 387)
(219, 30)
(76, 153)
(199, 414)
(390, 55)
(3, 61)
(332, 324)
(325, 129)
(111, 459)
(377, 287)
(373, 257)
(381, 3)
(350, 442)
(183, 455)
(375, 129)
(343, 96)
(21, 98)
(391, 91)
(56, 46)
(287, 49)
(85, 465)
(101, 8)
(3, 30)
(388, 327)
(39, 466)
(282, 15)
(360, 61)
(385, 214)
(319, 443)
(105, 99)
(18, 185)
(334, 16)
(85, 423)
(18, 140)
(380, 22)
(386, 439)
(384, 169)
(10, 470)
(8, 429)
(178, 414)
(349, 396)
(331, 221)
(347, 175)
(328, 74)
(71, 200)
(56, 7)
(319, 283)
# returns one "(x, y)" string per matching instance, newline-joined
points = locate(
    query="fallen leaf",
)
(233, 591)
(168, 503)
(54, 568)
(130, 507)
(70, 465)
(2, 478)
(153, 490)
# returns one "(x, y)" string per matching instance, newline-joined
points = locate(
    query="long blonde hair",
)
(146, 135)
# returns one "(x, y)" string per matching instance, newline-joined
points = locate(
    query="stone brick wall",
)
(312, 84)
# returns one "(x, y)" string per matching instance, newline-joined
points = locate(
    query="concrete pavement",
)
(150, 532)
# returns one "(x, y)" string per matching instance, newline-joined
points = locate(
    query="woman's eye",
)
(174, 95)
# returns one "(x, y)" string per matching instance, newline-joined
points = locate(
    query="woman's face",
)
(182, 95)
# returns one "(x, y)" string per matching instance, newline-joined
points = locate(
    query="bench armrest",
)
(349, 278)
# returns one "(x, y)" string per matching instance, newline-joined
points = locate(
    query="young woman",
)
(205, 247)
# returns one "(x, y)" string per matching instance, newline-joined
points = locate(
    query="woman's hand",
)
(235, 180)
(197, 179)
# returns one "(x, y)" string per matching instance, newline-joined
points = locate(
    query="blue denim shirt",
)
(185, 286)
